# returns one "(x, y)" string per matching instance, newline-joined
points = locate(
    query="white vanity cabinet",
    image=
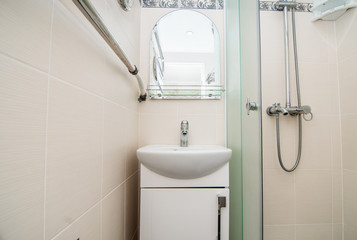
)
(184, 214)
(184, 209)
(184, 192)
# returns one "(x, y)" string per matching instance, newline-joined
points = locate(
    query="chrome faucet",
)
(276, 109)
(184, 134)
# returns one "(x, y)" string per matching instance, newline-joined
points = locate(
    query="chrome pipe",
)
(296, 60)
(287, 66)
(94, 18)
(300, 111)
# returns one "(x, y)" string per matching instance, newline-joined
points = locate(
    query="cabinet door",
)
(183, 214)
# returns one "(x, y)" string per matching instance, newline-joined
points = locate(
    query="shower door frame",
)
(247, 188)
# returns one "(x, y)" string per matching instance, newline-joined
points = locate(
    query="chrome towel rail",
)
(93, 17)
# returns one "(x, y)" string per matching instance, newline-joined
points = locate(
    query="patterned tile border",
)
(185, 4)
(269, 6)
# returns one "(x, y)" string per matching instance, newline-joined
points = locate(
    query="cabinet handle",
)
(221, 204)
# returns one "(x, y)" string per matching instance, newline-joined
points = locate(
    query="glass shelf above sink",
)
(185, 91)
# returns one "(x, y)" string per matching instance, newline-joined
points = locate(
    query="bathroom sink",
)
(184, 162)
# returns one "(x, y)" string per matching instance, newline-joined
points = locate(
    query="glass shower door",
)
(244, 119)
(251, 121)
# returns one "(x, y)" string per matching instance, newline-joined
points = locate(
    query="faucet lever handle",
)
(306, 111)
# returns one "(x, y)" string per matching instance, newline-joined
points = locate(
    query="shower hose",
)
(299, 105)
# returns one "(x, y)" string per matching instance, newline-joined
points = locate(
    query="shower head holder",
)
(280, 5)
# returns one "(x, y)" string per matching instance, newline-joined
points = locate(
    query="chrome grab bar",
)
(94, 18)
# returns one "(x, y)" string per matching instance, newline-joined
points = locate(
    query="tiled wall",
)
(160, 120)
(346, 32)
(307, 203)
(68, 123)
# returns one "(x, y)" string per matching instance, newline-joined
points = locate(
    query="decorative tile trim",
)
(220, 4)
(269, 6)
(186, 4)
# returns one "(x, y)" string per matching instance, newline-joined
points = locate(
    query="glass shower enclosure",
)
(244, 119)
(317, 201)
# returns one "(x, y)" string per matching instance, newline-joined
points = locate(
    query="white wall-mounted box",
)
(331, 10)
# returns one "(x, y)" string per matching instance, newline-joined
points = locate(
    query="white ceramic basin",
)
(184, 162)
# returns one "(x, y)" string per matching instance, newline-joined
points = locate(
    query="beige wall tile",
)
(86, 227)
(350, 198)
(86, 75)
(319, 87)
(346, 34)
(132, 133)
(119, 85)
(314, 232)
(349, 135)
(336, 142)
(109, 78)
(202, 129)
(74, 155)
(194, 107)
(158, 126)
(131, 207)
(337, 232)
(317, 144)
(159, 107)
(271, 25)
(279, 197)
(347, 57)
(125, 26)
(221, 130)
(221, 104)
(114, 146)
(159, 129)
(273, 82)
(279, 232)
(99, 6)
(25, 31)
(23, 94)
(337, 207)
(77, 55)
(350, 232)
(113, 215)
(313, 196)
(348, 85)
(314, 39)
